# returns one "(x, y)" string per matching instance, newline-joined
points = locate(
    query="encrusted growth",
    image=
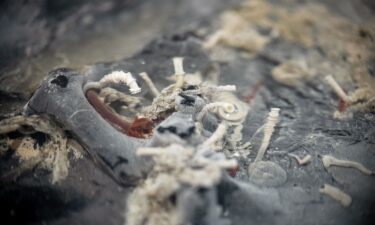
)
(51, 155)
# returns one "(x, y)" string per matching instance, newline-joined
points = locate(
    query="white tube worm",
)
(329, 161)
(338, 195)
(337, 88)
(269, 128)
(121, 77)
(179, 71)
(150, 84)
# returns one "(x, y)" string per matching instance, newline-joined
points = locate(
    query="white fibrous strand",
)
(329, 161)
(337, 88)
(338, 195)
(121, 77)
(150, 84)
(269, 128)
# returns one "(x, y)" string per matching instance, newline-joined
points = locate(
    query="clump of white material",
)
(121, 77)
(329, 161)
(338, 195)
(176, 167)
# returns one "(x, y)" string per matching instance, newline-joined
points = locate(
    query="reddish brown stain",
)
(141, 128)
(254, 91)
(342, 105)
(233, 171)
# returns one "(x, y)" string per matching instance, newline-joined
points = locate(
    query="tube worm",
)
(269, 128)
(114, 77)
(121, 77)
(139, 128)
(179, 71)
(302, 161)
(337, 88)
(329, 161)
(335, 193)
(150, 84)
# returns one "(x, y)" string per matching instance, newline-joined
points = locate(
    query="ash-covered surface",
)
(307, 126)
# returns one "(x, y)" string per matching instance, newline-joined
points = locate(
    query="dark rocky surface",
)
(89, 196)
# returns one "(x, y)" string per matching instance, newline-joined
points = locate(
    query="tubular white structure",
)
(150, 84)
(337, 88)
(179, 71)
(121, 77)
(335, 193)
(329, 161)
(269, 128)
(226, 88)
(217, 135)
(228, 107)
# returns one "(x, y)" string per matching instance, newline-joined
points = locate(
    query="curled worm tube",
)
(227, 107)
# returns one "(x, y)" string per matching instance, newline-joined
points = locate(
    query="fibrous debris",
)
(292, 72)
(184, 160)
(52, 155)
(335, 193)
(329, 161)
